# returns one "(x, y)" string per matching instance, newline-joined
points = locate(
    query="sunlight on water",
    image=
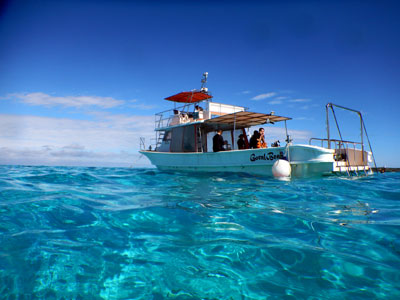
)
(109, 233)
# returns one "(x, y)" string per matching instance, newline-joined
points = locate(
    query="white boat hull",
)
(305, 160)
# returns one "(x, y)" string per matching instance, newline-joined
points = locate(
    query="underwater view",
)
(120, 233)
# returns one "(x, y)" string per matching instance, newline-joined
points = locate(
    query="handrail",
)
(142, 145)
(362, 128)
(340, 135)
(161, 121)
(344, 146)
(172, 109)
(332, 140)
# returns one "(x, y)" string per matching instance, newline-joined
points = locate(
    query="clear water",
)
(106, 233)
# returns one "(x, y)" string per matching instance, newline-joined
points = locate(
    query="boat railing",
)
(349, 152)
(152, 145)
(337, 142)
(188, 114)
(366, 156)
(177, 115)
(142, 145)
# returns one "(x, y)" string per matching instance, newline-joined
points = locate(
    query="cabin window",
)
(176, 139)
(183, 139)
(167, 136)
(189, 139)
(226, 135)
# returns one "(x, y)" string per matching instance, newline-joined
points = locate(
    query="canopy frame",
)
(242, 119)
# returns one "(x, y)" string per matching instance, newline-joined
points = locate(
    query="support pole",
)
(341, 141)
(287, 143)
(327, 124)
(234, 131)
(287, 135)
(362, 139)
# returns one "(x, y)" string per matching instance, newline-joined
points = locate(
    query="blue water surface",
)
(114, 233)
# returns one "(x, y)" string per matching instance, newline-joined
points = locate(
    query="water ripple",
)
(110, 233)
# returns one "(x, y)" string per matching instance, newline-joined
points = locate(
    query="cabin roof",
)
(238, 120)
(189, 97)
(244, 119)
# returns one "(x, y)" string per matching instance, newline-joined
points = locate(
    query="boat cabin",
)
(191, 127)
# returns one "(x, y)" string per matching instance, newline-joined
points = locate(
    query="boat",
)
(184, 142)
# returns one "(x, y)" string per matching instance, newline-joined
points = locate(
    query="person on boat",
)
(218, 142)
(198, 112)
(198, 108)
(254, 140)
(241, 143)
(261, 141)
(227, 146)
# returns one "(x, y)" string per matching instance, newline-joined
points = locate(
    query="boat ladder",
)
(159, 138)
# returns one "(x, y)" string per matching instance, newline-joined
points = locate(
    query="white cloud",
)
(300, 100)
(42, 99)
(245, 92)
(263, 96)
(57, 157)
(309, 106)
(142, 106)
(273, 102)
(281, 98)
(110, 140)
(72, 147)
(135, 104)
(300, 135)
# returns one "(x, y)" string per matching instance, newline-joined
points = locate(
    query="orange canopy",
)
(189, 97)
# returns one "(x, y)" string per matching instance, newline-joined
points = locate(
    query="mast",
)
(204, 82)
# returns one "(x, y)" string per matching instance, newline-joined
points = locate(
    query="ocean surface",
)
(115, 233)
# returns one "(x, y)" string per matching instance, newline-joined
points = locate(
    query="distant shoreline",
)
(378, 169)
(384, 169)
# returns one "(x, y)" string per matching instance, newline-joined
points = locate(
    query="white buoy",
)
(281, 168)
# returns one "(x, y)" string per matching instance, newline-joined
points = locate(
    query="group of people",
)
(257, 140)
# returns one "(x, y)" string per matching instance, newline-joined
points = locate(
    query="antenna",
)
(204, 82)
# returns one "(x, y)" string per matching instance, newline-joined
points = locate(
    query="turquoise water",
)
(110, 233)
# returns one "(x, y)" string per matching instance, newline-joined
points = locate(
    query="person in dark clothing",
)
(241, 143)
(218, 142)
(254, 140)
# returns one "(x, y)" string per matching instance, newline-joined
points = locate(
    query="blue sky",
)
(80, 81)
